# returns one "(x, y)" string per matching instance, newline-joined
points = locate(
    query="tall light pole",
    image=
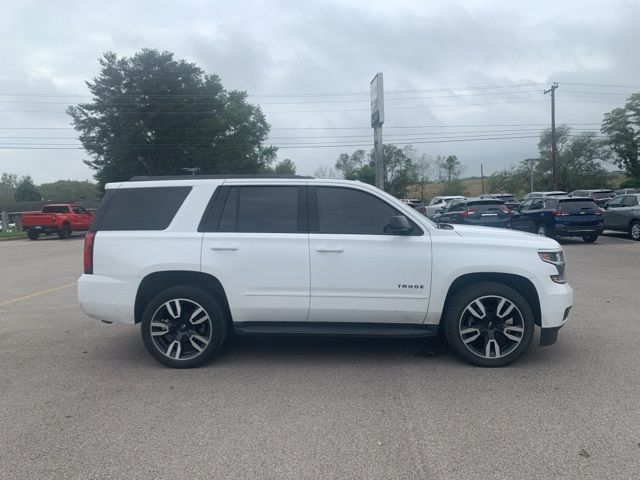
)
(531, 162)
(377, 119)
(554, 153)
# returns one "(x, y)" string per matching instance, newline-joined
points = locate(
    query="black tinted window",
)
(577, 204)
(485, 204)
(265, 209)
(348, 211)
(536, 204)
(55, 209)
(139, 208)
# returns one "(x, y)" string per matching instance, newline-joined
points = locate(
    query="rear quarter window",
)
(150, 208)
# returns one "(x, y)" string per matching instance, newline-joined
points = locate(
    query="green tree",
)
(285, 167)
(399, 168)
(622, 129)
(8, 183)
(514, 180)
(580, 160)
(423, 165)
(26, 190)
(449, 172)
(325, 172)
(153, 115)
(69, 190)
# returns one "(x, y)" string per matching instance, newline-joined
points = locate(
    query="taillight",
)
(505, 210)
(468, 212)
(89, 238)
(53, 219)
(559, 213)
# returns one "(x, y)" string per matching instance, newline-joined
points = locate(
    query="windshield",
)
(578, 204)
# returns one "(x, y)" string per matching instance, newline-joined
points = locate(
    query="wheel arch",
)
(520, 284)
(156, 282)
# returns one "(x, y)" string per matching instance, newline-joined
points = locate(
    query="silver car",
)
(437, 204)
(622, 213)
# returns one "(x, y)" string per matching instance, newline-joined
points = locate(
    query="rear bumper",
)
(42, 228)
(108, 299)
(578, 231)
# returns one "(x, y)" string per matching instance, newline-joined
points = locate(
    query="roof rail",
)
(146, 178)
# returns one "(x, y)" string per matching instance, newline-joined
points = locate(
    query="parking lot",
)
(81, 399)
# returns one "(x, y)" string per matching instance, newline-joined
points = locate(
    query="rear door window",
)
(261, 209)
(150, 208)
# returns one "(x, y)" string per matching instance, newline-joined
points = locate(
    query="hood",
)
(492, 234)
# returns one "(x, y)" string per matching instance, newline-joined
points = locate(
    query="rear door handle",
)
(329, 248)
(224, 246)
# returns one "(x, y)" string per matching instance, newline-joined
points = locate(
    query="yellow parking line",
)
(37, 294)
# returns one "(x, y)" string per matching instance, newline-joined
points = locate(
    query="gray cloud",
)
(320, 46)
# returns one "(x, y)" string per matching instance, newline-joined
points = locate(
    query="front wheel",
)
(184, 327)
(590, 238)
(488, 324)
(634, 230)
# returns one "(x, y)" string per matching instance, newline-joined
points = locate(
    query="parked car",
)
(600, 196)
(509, 200)
(482, 212)
(62, 219)
(622, 213)
(551, 193)
(417, 204)
(195, 259)
(627, 191)
(560, 217)
(437, 204)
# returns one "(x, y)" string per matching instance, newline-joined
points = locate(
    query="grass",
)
(12, 235)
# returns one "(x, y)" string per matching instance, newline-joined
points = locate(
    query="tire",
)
(65, 231)
(176, 335)
(32, 235)
(590, 238)
(489, 339)
(634, 230)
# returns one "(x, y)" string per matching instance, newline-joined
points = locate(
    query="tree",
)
(325, 172)
(8, 183)
(449, 171)
(69, 190)
(622, 128)
(153, 115)
(399, 169)
(26, 190)
(422, 165)
(579, 158)
(285, 167)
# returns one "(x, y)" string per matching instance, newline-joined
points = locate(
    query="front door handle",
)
(330, 248)
(224, 246)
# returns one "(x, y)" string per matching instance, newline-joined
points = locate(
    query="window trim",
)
(314, 222)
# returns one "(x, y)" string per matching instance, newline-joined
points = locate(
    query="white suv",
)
(194, 259)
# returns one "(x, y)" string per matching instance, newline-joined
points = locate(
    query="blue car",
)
(560, 216)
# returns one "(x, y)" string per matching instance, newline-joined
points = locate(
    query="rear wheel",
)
(33, 235)
(590, 238)
(65, 231)
(488, 324)
(634, 230)
(184, 327)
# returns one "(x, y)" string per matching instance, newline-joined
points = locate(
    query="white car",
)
(194, 259)
(437, 204)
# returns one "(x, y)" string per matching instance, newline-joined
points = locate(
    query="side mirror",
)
(399, 224)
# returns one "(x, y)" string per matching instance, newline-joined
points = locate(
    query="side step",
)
(335, 329)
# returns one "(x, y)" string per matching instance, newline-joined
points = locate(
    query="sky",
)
(461, 78)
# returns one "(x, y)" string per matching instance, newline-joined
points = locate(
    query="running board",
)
(335, 329)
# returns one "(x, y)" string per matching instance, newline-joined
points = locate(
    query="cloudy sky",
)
(309, 63)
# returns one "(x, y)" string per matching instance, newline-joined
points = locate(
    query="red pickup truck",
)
(60, 218)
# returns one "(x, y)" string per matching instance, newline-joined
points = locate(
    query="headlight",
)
(555, 258)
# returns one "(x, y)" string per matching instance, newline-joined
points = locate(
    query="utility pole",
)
(377, 119)
(482, 178)
(554, 153)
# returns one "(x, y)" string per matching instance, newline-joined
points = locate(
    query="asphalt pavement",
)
(80, 399)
